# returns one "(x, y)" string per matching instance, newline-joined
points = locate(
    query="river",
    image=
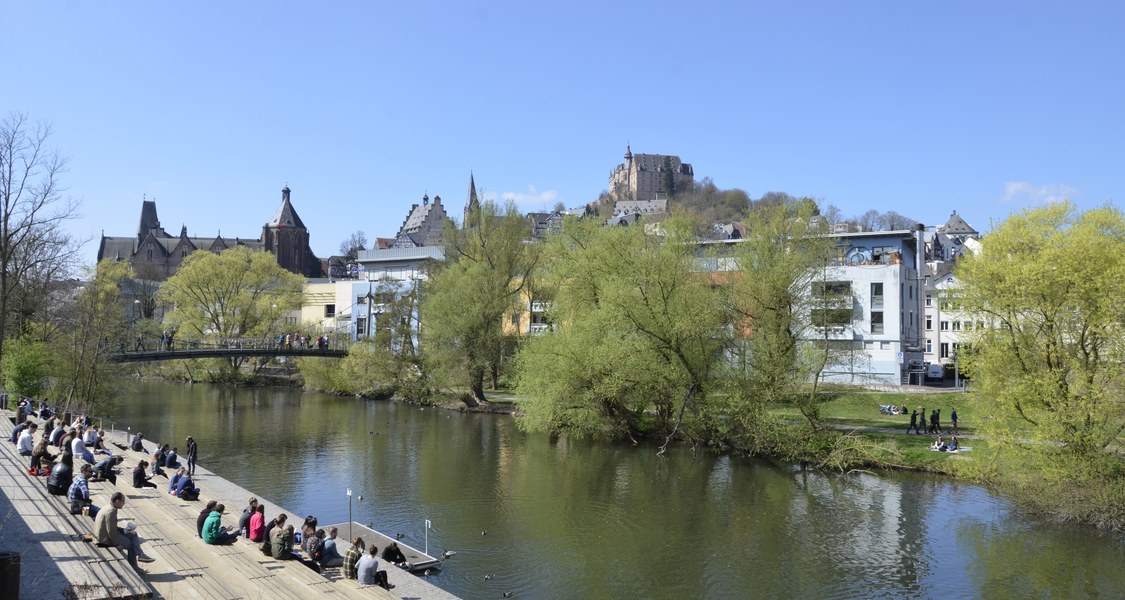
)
(591, 519)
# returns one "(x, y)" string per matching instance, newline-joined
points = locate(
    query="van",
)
(935, 372)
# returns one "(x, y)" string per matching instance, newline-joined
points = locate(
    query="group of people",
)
(168, 457)
(941, 446)
(296, 341)
(361, 562)
(918, 420)
(81, 440)
(318, 547)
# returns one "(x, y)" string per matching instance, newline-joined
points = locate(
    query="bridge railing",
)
(176, 344)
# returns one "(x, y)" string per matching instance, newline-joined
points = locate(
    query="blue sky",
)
(363, 107)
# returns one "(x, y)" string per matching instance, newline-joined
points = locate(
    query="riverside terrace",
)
(55, 562)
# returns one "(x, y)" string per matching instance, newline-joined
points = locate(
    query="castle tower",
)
(286, 236)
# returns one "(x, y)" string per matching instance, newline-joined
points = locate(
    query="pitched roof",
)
(286, 215)
(957, 226)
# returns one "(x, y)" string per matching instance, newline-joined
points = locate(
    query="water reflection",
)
(575, 519)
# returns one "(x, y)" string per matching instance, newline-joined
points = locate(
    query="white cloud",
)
(532, 196)
(1023, 192)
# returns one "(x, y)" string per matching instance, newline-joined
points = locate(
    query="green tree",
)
(789, 308)
(1048, 284)
(639, 336)
(27, 367)
(85, 374)
(488, 266)
(238, 293)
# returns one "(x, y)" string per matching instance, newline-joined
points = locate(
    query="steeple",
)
(472, 204)
(628, 154)
(286, 215)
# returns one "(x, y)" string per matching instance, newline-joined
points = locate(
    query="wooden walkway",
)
(53, 557)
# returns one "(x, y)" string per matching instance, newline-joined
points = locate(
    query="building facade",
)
(645, 177)
(156, 255)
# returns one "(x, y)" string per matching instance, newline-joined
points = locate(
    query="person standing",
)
(192, 453)
(953, 416)
(914, 423)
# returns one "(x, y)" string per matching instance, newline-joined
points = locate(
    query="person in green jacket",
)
(214, 532)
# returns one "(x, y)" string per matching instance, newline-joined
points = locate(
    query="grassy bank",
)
(1039, 477)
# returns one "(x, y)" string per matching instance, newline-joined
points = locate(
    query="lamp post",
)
(350, 514)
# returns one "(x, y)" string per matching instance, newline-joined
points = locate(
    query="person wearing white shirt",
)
(78, 447)
(23, 444)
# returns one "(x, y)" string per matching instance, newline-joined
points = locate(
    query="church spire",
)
(472, 205)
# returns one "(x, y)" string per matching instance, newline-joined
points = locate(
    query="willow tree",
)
(789, 311)
(639, 336)
(1048, 285)
(489, 264)
(238, 293)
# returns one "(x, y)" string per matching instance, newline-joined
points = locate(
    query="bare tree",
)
(868, 221)
(33, 245)
(892, 221)
(351, 245)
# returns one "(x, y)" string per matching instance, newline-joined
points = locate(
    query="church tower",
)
(472, 205)
(286, 236)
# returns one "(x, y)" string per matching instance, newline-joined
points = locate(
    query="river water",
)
(586, 519)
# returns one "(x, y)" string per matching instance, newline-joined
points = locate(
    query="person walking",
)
(937, 421)
(914, 422)
(953, 416)
(192, 454)
(933, 422)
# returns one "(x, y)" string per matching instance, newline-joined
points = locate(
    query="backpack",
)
(315, 548)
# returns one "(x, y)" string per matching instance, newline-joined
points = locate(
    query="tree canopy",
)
(489, 266)
(237, 293)
(640, 332)
(1048, 286)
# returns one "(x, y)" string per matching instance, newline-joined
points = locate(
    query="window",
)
(929, 323)
(929, 346)
(944, 350)
(929, 300)
(877, 295)
(361, 326)
(361, 300)
(968, 325)
(329, 310)
(956, 347)
(877, 322)
(957, 326)
(945, 325)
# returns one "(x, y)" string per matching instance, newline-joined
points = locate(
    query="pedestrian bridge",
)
(154, 349)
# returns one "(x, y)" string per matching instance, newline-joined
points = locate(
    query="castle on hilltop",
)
(645, 178)
(155, 254)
